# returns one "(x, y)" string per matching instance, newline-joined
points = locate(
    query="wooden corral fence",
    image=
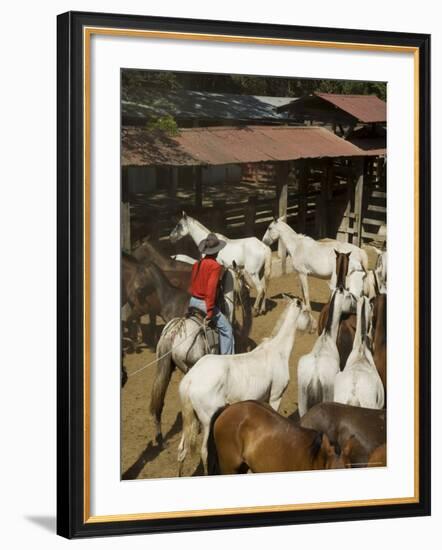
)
(342, 198)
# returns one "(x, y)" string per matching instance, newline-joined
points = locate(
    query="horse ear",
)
(184, 215)
(348, 254)
(336, 252)
(234, 265)
(286, 297)
(327, 446)
(348, 447)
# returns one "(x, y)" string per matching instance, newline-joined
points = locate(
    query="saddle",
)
(209, 333)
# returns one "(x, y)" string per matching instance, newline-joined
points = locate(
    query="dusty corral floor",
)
(140, 457)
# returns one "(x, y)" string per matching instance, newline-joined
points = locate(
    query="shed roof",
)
(364, 108)
(232, 145)
(205, 105)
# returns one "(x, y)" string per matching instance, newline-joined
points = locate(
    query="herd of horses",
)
(233, 400)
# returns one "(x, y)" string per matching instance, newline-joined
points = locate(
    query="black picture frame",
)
(71, 520)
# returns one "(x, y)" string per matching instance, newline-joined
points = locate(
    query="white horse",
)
(217, 380)
(318, 369)
(310, 257)
(381, 270)
(248, 253)
(359, 384)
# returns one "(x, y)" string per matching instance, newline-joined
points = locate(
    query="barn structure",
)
(307, 174)
(361, 120)
(193, 109)
(342, 113)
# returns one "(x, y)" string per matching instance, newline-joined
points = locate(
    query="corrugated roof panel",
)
(366, 108)
(233, 145)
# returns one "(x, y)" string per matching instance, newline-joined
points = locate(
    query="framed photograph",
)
(228, 196)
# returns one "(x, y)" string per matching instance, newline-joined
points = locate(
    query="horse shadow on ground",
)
(151, 451)
(270, 304)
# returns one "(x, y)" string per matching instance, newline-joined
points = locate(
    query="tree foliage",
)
(138, 85)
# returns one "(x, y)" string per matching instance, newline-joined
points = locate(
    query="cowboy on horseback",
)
(206, 274)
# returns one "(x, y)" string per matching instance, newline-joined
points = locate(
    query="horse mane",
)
(295, 233)
(279, 322)
(363, 322)
(328, 324)
(129, 258)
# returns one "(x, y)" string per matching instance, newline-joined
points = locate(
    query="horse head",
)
(272, 233)
(181, 229)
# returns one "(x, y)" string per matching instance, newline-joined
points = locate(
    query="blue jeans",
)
(226, 339)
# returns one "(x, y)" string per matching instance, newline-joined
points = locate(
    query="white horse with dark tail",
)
(318, 369)
(359, 384)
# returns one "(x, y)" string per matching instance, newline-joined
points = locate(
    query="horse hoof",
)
(255, 313)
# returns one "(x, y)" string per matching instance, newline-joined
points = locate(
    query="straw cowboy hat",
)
(211, 244)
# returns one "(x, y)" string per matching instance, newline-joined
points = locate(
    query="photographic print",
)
(254, 274)
(224, 193)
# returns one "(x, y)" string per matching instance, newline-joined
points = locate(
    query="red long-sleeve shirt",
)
(204, 282)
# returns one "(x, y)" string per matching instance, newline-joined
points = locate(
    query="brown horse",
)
(346, 333)
(358, 431)
(378, 457)
(249, 435)
(148, 291)
(342, 264)
(347, 326)
(379, 329)
(178, 273)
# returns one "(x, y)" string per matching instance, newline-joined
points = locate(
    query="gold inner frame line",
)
(87, 34)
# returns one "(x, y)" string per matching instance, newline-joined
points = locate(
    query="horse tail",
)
(190, 424)
(164, 370)
(213, 468)
(314, 392)
(267, 265)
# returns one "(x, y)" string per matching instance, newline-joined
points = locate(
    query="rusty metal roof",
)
(366, 108)
(232, 145)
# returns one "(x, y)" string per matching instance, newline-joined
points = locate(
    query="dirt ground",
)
(140, 457)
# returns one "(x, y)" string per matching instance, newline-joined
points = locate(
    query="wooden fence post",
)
(321, 208)
(173, 183)
(219, 216)
(282, 173)
(125, 227)
(250, 215)
(302, 200)
(198, 186)
(359, 197)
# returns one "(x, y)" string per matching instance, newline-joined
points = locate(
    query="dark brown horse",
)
(346, 333)
(251, 436)
(342, 264)
(148, 291)
(358, 431)
(347, 326)
(378, 457)
(178, 273)
(379, 328)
